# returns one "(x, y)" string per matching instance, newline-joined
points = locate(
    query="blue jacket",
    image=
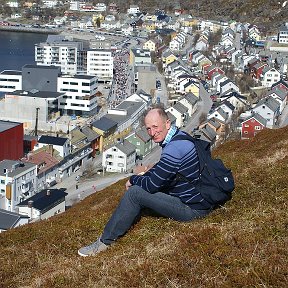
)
(177, 156)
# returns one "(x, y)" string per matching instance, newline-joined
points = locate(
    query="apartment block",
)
(100, 64)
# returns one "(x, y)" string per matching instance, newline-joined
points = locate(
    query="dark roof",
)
(143, 134)
(171, 117)
(180, 107)
(42, 201)
(6, 125)
(37, 94)
(258, 118)
(15, 167)
(78, 76)
(59, 141)
(9, 219)
(281, 81)
(89, 133)
(126, 147)
(11, 72)
(50, 67)
(29, 137)
(104, 124)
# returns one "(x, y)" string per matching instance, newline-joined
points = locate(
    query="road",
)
(283, 119)
(89, 186)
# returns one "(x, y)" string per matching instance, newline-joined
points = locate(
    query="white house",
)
(228, 85)
(133, 9)
(10, 80)
(50, 3)
(280, 96)
(269, 76)
(237, 100)
(10, 220)
(228, 108)
(269, 109)
(175, 44)
(219, 114)
(283, 34)
(190, 101)
(43, 205)
(60, 144)
(120, 157)
(17, 182)
(180, 112)
(12, 3)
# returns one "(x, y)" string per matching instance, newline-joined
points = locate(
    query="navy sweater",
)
(177, 156)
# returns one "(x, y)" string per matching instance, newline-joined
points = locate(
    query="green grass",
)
(243, 244)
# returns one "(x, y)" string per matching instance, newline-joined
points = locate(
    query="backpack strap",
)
(188, 137)
(202, 147)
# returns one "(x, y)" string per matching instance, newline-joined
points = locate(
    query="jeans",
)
(134, 200)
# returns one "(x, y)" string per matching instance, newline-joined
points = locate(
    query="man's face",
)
(156, 126)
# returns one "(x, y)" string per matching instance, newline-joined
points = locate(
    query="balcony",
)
(25, 188)
(26, 181)
(75, 159)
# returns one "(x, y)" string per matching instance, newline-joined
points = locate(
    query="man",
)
(159, 188)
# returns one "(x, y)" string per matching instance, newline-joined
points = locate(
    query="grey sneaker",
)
(92, 249)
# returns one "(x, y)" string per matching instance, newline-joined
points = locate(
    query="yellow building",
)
(149, 25)
(168, 57)
(192, 87)
(150, 45)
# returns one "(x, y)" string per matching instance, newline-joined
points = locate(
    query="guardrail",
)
(30, 29)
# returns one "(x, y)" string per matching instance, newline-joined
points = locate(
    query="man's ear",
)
(168, 123)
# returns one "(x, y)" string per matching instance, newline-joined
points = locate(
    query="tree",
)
(98, 22)
(214, 38)
(196, 38)
(202, 118)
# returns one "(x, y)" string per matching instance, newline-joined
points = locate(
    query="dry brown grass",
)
(243, 244)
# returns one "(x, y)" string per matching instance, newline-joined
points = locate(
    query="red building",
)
(213, 69)
(252, 125)
(11, 140)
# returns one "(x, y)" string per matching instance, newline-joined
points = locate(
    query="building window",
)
(257, 127)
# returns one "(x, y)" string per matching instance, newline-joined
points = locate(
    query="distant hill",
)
(243, 244)
(267, 13)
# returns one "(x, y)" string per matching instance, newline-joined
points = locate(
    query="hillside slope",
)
(266, 13)
(241, 245)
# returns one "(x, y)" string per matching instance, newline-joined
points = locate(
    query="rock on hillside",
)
(243, 244)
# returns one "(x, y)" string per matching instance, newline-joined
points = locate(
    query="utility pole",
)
(36, 122)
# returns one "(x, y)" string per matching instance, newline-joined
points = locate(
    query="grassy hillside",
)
(241, 245)
(266, 13)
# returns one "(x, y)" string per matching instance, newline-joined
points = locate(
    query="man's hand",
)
(140, 170)
(128, 184)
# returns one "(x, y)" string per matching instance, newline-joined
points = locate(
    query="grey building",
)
(42, 78)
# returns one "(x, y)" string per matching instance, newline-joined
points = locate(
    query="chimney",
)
(51, 149)
(30, 206)
(48, 193)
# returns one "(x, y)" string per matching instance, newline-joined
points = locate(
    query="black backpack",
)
(215, 182)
